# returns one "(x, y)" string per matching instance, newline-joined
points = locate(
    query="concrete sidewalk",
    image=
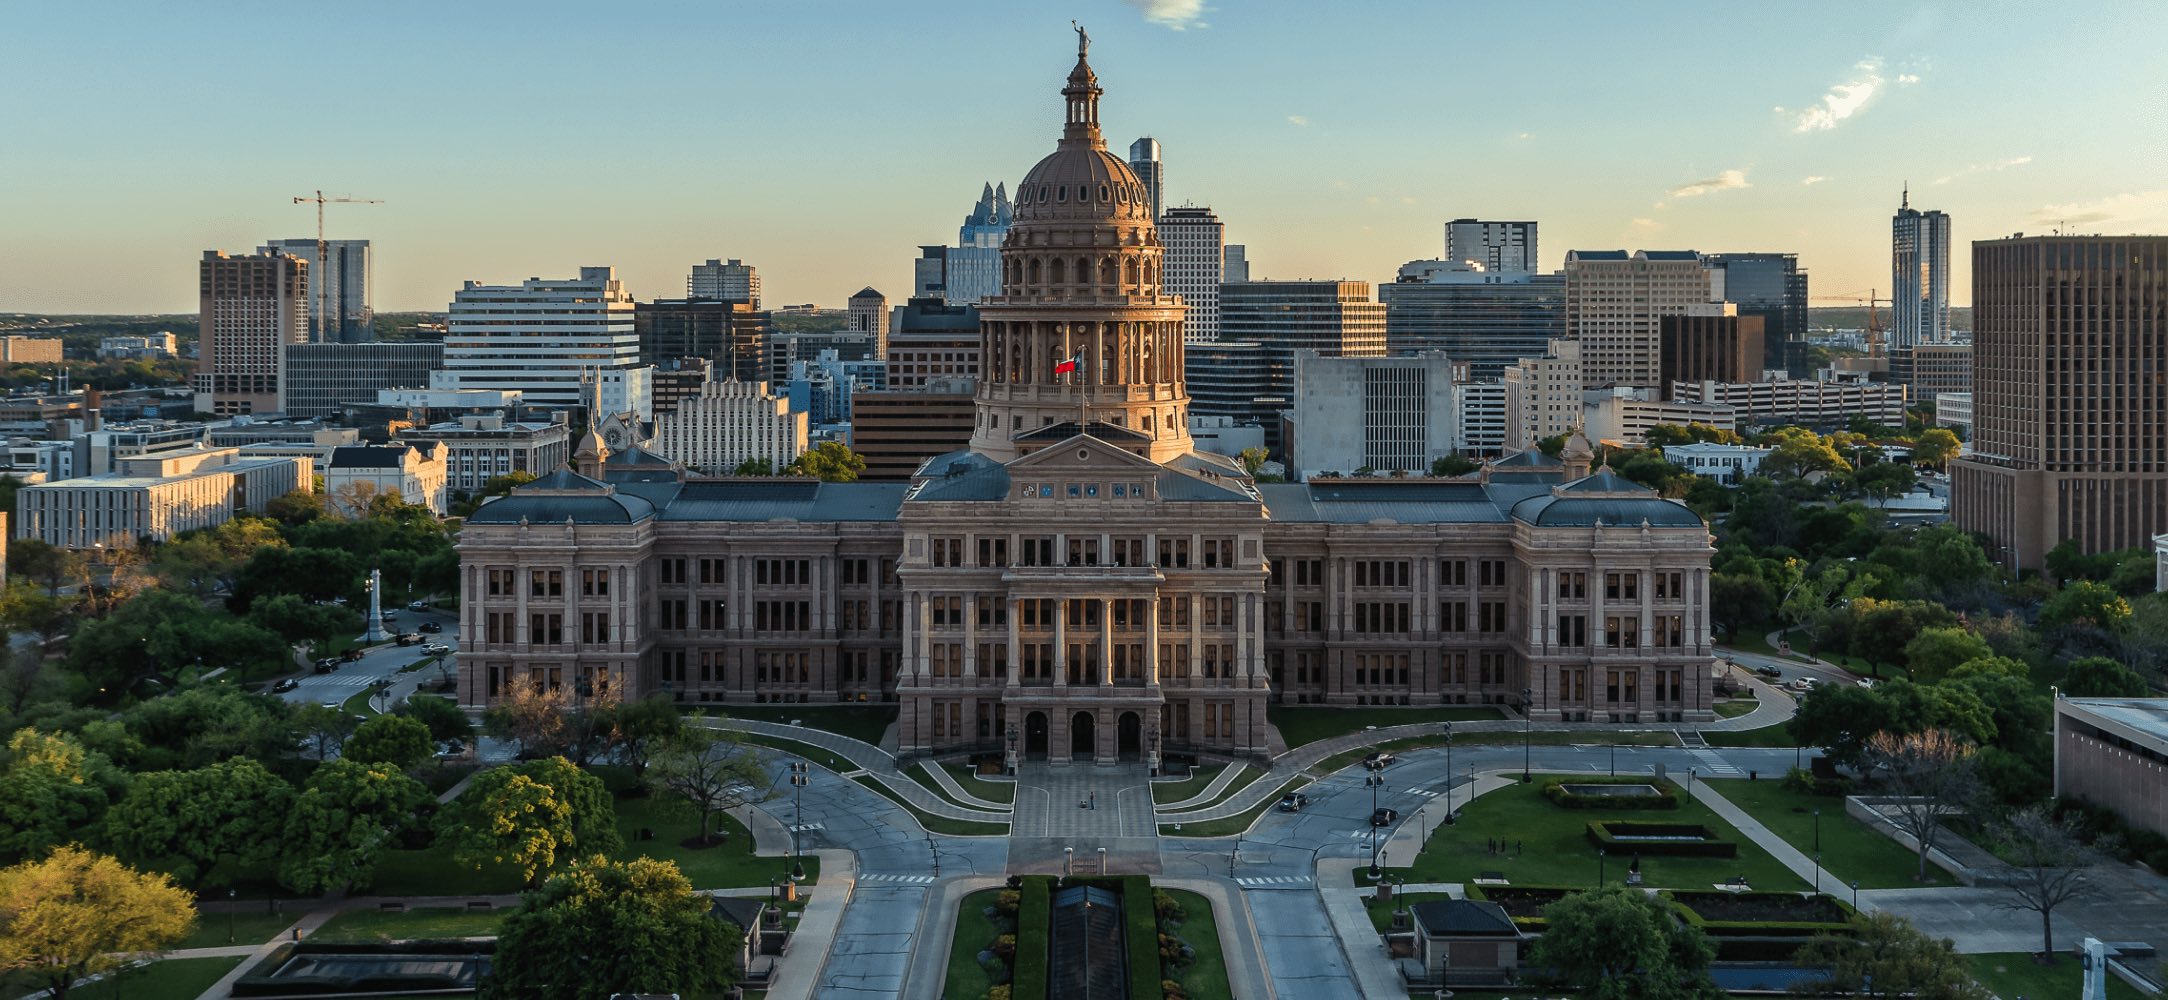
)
(936, 935)
(1239, 945)
(1365, 949)
(878, 764)
(1778, 848)
(800, 968)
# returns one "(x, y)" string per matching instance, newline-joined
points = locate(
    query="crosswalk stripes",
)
(901, 879)
(807, 827)
(1274, 881)
(1715, 764)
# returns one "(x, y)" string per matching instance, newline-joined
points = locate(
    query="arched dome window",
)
(1060, 275)
(1103, 193)
(1034, 272)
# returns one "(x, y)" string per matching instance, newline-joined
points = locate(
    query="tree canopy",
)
(533, 816)
(661, 936)
(830, 461)
(195, 819)
(342, 822)
(1622, 944)
(76, 914)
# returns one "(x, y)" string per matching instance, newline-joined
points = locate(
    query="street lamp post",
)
(1449, 774)
(1817, 832)
(1377, 784)
(231, 907)
(1614, 760)
(1855, 897)
(1817, 873)
(1599, 867)
(1689, 784)
(1528, 732)
(799, 778)
(1009, 760)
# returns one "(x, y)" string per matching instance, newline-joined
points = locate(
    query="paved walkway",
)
(1778, 848)
(1212, 789)
(1367, 956)
(1240, 945)
(878, 764)
(800, 967)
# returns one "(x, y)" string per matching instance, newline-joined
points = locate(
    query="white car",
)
(436, 649)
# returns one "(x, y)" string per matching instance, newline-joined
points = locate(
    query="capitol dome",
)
(1080, 179)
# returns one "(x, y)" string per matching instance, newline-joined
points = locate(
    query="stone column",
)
(1103, 671)
(971, 634)
(1151, 641)
(1016, 647)
(1061, 643)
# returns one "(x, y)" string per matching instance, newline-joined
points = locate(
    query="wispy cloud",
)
(1298, 120)
(1907, 79)
(1985, 168)
(1647, 225)
(1729, 180)
(2133, 208)
(1177, 15)
(1844, 99)
(1812, 179)
(1525, 135)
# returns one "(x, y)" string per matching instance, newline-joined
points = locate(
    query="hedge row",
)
(1683, 902)
(1666, 797)
(1602, 834)
(1140, 936)
(1034, 918)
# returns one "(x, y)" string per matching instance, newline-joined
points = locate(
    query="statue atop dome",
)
(1083, 41)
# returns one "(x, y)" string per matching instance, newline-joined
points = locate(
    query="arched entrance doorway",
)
(1035, 736)
(1129, 736)
(1083, 736)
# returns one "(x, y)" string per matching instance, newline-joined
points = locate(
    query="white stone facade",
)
(728, 423)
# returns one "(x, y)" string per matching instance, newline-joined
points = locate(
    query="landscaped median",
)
(1003, 941)
(1228, 826)
(1301, 724)
(937, 824)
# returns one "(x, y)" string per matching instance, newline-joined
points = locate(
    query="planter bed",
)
(1626, 838)
(1633, 793)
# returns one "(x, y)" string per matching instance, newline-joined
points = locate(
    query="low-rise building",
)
(156, 497)
(1625, 415)
(480, 448)
(729, 423)
(30, 350)
(149, 345)
(1464, 942)
(415, 472)
(1725, 463)
(1930, 369)
(1482, 409)
(1954, 410)
(2113, 753)
(1384, 414)
(323, 378)
(1826, 403)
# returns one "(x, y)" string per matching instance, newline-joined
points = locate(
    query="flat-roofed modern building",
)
(1820, 404)
(1196, 244)
(156, 497)
(733, 280)
(1485, 319)
(339, 288)
(249, 308)
(1932, 369)
(559, 342)
(1383, 414)
(1615, 305)
(1919, 276)
(932, 341)
(1711, 343)
(729, 423)
(1543, 395)
(481, 447)
(324, 378)
(2113, 753)
(896, 431)
(732, 335)
(1494, 246)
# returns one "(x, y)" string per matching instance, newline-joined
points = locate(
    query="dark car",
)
(285, 685)
(350, 655)
(1379, 760)
(1770, 672)
(430, 627)
(1384, 817)
(1293, 802)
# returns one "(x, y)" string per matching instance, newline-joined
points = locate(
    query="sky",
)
(824, 141)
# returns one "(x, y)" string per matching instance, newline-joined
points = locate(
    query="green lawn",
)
(432, 872)
(1548, 738)
(967, 979)
(359, 704)
(2014, 974)
(937, 824)
(730, 865)
(1308, 724)
(171, 979)
(420, 923)
(867, 724)
(1206, 977)
(251, 925)
(1164, 792)
(1555, 849)
(1231, 825)
(1736, 707)
(1850, 850)
(1381, 914)
(990, 791)
(797, 749)
(1766, 736)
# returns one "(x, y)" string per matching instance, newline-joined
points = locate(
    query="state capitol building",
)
(1082, 579)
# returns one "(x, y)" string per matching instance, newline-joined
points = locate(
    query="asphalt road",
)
(379, 663)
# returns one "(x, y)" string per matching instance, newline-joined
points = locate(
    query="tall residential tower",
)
(1196, 267)
(1151, 172)
(1919, 276)
(339, 310)
(733, 279)
(1496, 246)
(250, 309)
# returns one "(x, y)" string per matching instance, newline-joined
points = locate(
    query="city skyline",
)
(1346, 170)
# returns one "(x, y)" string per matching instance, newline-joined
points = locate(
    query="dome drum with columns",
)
(1082, 274)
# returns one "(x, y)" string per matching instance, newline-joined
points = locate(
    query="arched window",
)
(1106, 271)
(1103, 193)
(1034, 272)
(1060, 273)
(1130, 273)
(1061, 193)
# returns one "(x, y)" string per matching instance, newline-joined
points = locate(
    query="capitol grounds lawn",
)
(968, 778)
(1206, 977)
(1732, 708)
(2014, 974)
(1545, 738)
(1170, 792)
(1299, 725)
(418, 924)
(1850, 850)
(250, 926)
(1556, 851)
(936, 824)
(165, 979)
(867, 724)
(967, 979)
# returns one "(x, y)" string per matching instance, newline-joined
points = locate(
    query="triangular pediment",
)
(1079, 453)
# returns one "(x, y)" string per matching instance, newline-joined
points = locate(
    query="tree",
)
(32, 559)
(2051, 862)
(532, 715)
(1450, 465)
(660, 934)
(830, 462)
(309, 573)
(1554, 446)
(26, 607)
(2101, 677)
(2086, 603)
(532, 816)
(206, 561)
(76, 914)
(52, 790)
(235, 810)
(1935, 652)
(1885, 481)
(635, 729)
(298, 507)
(1622, 944)
(301, 622)
(1886, 950)
(155, 634)
(326, 727)
(402, 742)
(710, 773)
(1882, 630)
(1796, 451)
(342, 822)
(1841, 718)
(1935, 447)
(1736, 601)
(1930, 776)
(207, 724)
(754, 467)
(444, 718)
(1253, 459)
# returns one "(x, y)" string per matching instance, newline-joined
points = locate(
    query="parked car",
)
(1379, 760)
(409, 638)
(350, 655)
(429, 627)
(1770, 672)
(1384, 817)
(285, 685)
(334, 706)
(325, 668)
(1293, 802)
(1800, 684)
(417, 605)
(436, 649)
(450, 748)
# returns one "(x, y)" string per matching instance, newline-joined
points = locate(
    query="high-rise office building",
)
(1919, 276)
(733, 280)
(1487, 320)
(1773, 287)
(2070, 412)
(339, 310)
(558, 341)
(931, 341)
(732, 335)
(1195, 263)
(249, 309)
(1235, 263)
(1543, 396)
(1710, 343)
(1930, 370)
(1615, 304)
(869, 318)
(729, 423)
(970, 271)
(323, 379)
(1336, 319)
(1494, 246)
(1384, 414)
(1144, 161)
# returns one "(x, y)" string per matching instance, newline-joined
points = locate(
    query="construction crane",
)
(1874, 319)
(323, 251)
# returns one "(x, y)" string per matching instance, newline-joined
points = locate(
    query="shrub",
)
(1166, 907)
(1171, 990)
(1605, 834)
(1004, 947)
(1812, 784)
(1666, 797)
(1006, 903)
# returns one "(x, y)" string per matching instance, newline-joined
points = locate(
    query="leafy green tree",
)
(200, 726)
(1935, 652)
(1884, 481)
(1622, 944)
(300, 622)
(1935, 447)
(232, 811)
(32, 559)
(26, 607)
(1737, 601)
(205, 561)
(76, 914)
(1881, 630)
(830, 462)
(160, 631)
(1840, 719)
(443, 717)
(1899, 959)
(1450, 465)
(52, 790)
(2086, 603)
(710, 773)
(391, 739)
(2101, 677)
(307, 573)
(754, 467)
(534, 816)
(298, 507)
(1796, 452)
(633, 730)
(325, 728)
(661, 936)
(1253, 459)
(341, 823)
(1553, 446)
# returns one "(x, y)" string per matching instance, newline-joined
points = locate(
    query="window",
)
(1492, 573)
(594, 583)
(1621, 632)
(546, 583)
(1453, 573)
(711, 571)
(546, 629)
(1572, 586)
(595, 627)
(993, 551)
(671, 613)
(1174, 553)
(500, 583)
(1453, 616)
(1669, 586)
(1573, 630)
(1381, 573)
(1622, 586)
(947, 551)
(714, 615)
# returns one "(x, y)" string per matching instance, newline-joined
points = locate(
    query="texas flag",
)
(1069, 364)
